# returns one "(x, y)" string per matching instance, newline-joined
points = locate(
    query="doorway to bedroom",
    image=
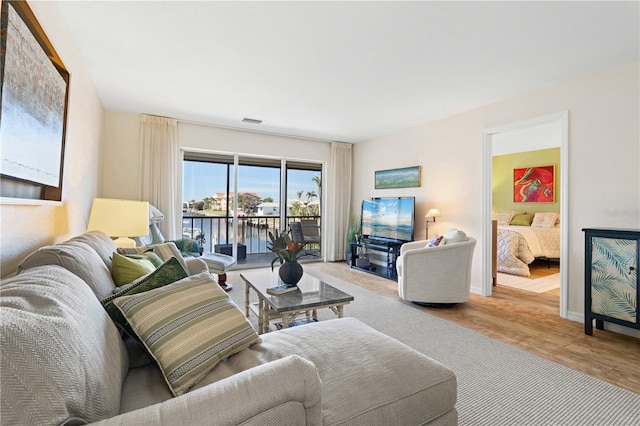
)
(526, 185)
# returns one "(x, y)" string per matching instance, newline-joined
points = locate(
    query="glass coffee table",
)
(312, 294)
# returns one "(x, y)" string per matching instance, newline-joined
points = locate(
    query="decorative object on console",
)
(290, 272)
(433, 213)
(407, 177)
(533, 184)
(120, 218)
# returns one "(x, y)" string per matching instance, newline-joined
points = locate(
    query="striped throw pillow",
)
(188, 327)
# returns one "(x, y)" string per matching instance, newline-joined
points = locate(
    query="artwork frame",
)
(405, 177)
(34, 97)
(534, 184)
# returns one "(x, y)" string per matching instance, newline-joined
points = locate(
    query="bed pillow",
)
(522, 219)
(544, 220)
(188, 327)
(504, 218)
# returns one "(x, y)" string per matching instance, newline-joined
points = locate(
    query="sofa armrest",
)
(196, 265)
(287, 391)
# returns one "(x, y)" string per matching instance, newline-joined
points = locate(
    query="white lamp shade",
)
(433, 213)
(119, 218)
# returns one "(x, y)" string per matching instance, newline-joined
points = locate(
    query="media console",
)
(388, 251)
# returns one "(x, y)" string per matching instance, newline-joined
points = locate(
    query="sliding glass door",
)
(236, 218)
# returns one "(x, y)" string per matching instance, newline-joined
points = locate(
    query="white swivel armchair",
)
(436, 276)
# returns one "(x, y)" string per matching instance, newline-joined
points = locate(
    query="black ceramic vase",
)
(290, 272)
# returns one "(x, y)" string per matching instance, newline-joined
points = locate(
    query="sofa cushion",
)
(100, 242)
(125, 270)
(188, 327)
(78, 258)
(167, 273)
(62, 358)
(351, 356)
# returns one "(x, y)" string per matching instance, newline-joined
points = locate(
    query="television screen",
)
(388, 218)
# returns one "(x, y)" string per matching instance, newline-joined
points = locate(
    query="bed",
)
(519, 245)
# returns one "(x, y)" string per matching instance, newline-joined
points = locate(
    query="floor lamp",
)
(433, 213)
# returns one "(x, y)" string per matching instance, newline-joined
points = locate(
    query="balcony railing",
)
(253, 231)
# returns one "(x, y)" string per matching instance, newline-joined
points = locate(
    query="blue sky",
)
(206, 179)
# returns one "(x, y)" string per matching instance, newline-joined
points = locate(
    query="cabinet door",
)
(614, 277)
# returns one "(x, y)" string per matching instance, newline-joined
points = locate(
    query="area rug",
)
(536, 285)
(497, 384)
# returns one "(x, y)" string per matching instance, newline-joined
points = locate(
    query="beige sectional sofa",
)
(63, 361)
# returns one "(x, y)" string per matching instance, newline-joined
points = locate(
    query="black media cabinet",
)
(389, 250)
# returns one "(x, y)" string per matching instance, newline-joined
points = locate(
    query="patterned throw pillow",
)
(167, 273)
(188, 327)
(125, 269)
(164, 251)
(434, 241)
(150, 255)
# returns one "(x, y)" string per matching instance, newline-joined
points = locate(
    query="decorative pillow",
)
(188, 327)
(504, 218)
(167, 273)
(125, 269)
(434, 241)
(453, 236)
(522, 219)
(149, 255)
(164, 250)
(544, 220)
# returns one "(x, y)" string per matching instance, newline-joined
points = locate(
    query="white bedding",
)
(518, 246)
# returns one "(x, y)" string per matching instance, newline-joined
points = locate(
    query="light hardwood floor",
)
(530, 322)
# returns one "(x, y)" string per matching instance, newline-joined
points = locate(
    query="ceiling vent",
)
(251, 120)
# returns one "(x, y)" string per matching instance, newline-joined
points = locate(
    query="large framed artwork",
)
(33, 107)
(534, 184)
(398, 178)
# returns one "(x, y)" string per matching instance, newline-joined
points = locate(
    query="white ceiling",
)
(346, 71)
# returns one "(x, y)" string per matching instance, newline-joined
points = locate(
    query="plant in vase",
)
(287, 252)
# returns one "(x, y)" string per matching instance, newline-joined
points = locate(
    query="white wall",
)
(122, 149)
(25, 228)
(604, 162)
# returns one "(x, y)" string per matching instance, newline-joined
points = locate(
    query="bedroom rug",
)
(497, 384)
(536, 285)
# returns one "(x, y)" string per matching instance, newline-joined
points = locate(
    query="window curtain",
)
(339, 201)
(160, 155)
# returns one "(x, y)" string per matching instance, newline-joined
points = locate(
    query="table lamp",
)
(120, 218)
(433, 213)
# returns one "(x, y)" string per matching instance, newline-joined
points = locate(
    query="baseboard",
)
(579, 317)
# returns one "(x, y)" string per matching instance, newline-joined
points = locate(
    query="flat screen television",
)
(388, 219)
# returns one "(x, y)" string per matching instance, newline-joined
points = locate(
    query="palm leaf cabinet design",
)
(611, 277)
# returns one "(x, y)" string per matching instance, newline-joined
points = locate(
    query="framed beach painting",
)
(33, 106)
(534, 184)
(398, 178)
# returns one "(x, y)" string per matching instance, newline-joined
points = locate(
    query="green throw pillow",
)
(167, 273)
(149, 255)
(125, 270)
(522, 219)
(188, 327)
